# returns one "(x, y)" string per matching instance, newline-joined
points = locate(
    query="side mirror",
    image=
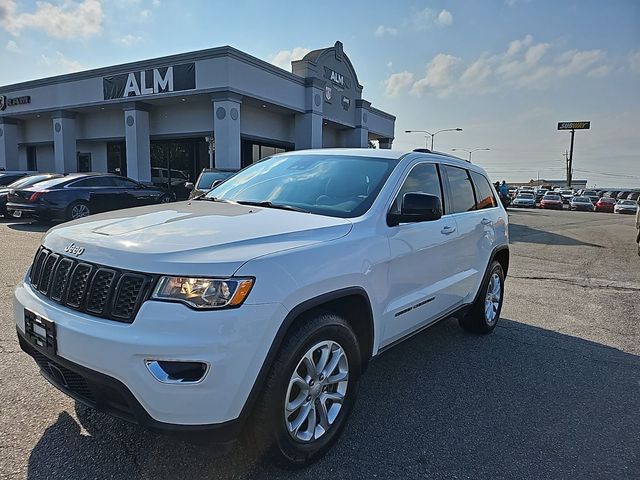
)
(416, 207)
(189, 185)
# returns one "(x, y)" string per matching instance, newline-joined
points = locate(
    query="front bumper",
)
(111, 357)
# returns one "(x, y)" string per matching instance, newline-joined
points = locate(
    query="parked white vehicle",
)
(526, 200)
(625, 206)
(262, 303)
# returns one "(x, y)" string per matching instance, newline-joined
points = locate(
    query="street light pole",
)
(432, 135)
(469, 151)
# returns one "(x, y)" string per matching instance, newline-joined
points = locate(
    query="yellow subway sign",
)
(574, 125)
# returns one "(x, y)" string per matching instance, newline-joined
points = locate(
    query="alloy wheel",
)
(79, 211)
(492, 300)
(316, 391)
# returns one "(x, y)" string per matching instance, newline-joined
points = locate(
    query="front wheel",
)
(485, 312)
(309, 391)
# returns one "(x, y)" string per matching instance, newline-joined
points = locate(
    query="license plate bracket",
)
(41, 332)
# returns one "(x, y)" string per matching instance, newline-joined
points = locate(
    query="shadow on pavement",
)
(521, 403)
(30, 227)
(524, 233)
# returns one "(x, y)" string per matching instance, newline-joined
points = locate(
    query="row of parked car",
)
(585, 200)
(53, 196)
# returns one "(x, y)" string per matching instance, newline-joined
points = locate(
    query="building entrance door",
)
(176, 162)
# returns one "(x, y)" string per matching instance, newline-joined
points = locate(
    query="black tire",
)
(69, 214)
(476, 320)
(268, 433)
(166, 198)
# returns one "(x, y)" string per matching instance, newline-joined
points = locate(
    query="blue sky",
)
(505, 71)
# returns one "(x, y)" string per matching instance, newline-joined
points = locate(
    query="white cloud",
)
(146, 13)
(156, 3)
(634, 61)
(284, 58)
(575, 61)
(70, 19)
(398, 82)
(439, 73)
(12, 47)
(444, 18)
(476, 73)
(129, 40)
(427, 18)
(517, 45)
(523, 65)
(381, 31)
(59, 64)
(601, 71)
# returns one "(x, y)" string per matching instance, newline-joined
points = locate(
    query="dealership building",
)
(178, 114)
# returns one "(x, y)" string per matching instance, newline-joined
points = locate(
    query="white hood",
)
(191, 238)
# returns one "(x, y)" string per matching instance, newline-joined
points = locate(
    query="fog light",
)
(177, 372)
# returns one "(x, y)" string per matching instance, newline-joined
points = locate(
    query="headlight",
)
(203, 293)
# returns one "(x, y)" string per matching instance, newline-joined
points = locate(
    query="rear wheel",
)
(78, 209)
(309, 391)
(485, 312)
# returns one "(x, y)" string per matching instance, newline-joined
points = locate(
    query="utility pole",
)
(573, 126)
(570, 162)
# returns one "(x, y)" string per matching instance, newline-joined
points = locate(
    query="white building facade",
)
(218, 107)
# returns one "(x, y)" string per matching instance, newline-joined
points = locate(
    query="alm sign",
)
(152, 81)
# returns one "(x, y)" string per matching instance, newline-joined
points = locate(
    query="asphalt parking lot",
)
(553, 393)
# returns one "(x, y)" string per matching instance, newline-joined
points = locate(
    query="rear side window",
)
(462, 197)
(93, 182)
(122, 182)
(484, 193)
(423, 178)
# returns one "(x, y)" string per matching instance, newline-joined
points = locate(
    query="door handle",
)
(486, 221)
(447, 230)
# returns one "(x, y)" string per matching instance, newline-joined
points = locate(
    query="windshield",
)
(207, 179)
(582, 200)
(334, 185)
(53, 182)
(553, 198)
(627, 202)
(525, 195)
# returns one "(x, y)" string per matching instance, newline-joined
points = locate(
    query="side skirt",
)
(461, 310)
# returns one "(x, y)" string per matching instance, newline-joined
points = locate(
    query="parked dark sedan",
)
(582, 203)
(9, 177)
(23, 182)
(80, 194)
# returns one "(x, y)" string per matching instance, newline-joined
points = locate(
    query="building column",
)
(385, 143)
(308, 128)
(64, 142)
(359, 136)
(136, 130)
(9, 144)
(226, 130)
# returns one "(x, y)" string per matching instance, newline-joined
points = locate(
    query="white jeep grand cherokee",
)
(258, 306)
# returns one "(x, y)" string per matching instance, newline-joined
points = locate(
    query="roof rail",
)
(422, 150)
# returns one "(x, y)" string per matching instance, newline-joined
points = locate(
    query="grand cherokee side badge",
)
(73, 249)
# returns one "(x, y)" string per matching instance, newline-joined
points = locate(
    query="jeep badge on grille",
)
(73, 249)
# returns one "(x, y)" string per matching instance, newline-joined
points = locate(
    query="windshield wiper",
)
(211, 199)
(267, 204)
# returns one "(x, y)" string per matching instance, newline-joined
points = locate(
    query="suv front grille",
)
(86, 287)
